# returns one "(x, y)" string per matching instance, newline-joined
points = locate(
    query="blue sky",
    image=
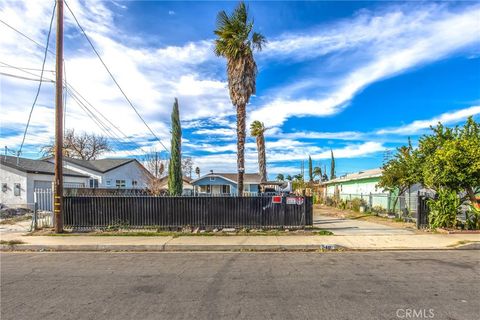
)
(355, 77)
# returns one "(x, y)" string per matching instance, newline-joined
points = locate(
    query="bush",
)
(473, 218)
(379, 210)
(444, 209)
(356, 203)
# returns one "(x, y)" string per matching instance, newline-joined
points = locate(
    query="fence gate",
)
(422, 212)
(43, 215)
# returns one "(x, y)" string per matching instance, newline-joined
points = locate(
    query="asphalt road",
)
(290, 285)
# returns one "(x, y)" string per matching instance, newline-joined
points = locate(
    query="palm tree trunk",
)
(262, 159)
(241, 124)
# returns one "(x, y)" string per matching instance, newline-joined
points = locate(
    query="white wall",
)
(129, 172)
(10, 176)
(91, 173)
(32, 177)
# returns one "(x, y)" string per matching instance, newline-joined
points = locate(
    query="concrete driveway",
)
(346, 227)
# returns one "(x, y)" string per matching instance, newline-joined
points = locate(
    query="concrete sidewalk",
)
(347, 227)
(229, 243)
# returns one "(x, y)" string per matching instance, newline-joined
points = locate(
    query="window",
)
(225, 188)
(205, 189)
(4, 187)
(93, 183)
(109, 183)
(120, 183)
(16, 189)
(134, 183)
(212, 178)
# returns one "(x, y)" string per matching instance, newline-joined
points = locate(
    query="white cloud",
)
(151, 77)
(445, 118)
(376, 47)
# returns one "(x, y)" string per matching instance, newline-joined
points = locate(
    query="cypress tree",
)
(332, 166)
(175, 182)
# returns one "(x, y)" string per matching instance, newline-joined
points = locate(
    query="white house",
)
(19, 177)
(110, 173)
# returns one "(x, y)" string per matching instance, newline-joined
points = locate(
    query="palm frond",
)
(258, 41)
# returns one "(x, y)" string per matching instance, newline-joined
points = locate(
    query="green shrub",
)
(473, 218)
(444, 209)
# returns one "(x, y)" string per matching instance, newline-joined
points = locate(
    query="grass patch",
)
(176, 234)
(11, 242)
(323, 233)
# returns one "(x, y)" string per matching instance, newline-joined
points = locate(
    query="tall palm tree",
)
(280, 177)
(236, 41)
(257, 130)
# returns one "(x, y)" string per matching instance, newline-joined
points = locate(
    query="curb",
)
(169, 248)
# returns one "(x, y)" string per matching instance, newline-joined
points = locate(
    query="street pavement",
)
(241, 285)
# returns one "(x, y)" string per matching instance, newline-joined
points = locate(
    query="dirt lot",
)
(322, 210)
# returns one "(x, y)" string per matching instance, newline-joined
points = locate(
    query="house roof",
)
(101, 165)
(366, 174)
(35, 166)
(233, 177)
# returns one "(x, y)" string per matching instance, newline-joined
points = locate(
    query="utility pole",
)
(58, 184)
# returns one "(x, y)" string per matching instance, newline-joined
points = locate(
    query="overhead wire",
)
(24, 35)
(113, 136)
(79, 96)
(113, 78)
(41, 76)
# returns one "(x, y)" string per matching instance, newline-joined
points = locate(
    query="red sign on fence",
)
(276, 199)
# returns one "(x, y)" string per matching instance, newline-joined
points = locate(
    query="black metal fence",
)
(175, 212)
(422, 212)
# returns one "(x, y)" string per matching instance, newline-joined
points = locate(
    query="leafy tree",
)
(257, 130)
(80, 146)
(289, 177)
(280, 177)
(450, 158)
(236, 42)
(175, 181)
(317, 172)
(399, 172)
(332, 166)
(310, 169)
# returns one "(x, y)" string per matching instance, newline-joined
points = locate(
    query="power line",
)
(85, 102)
(23, 34)
(114, 137)
(25, 78)
(113, 78)
(106, 119)
(6, 65)
(41, 76)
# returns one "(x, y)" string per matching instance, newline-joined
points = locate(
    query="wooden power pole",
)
(58, 185)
